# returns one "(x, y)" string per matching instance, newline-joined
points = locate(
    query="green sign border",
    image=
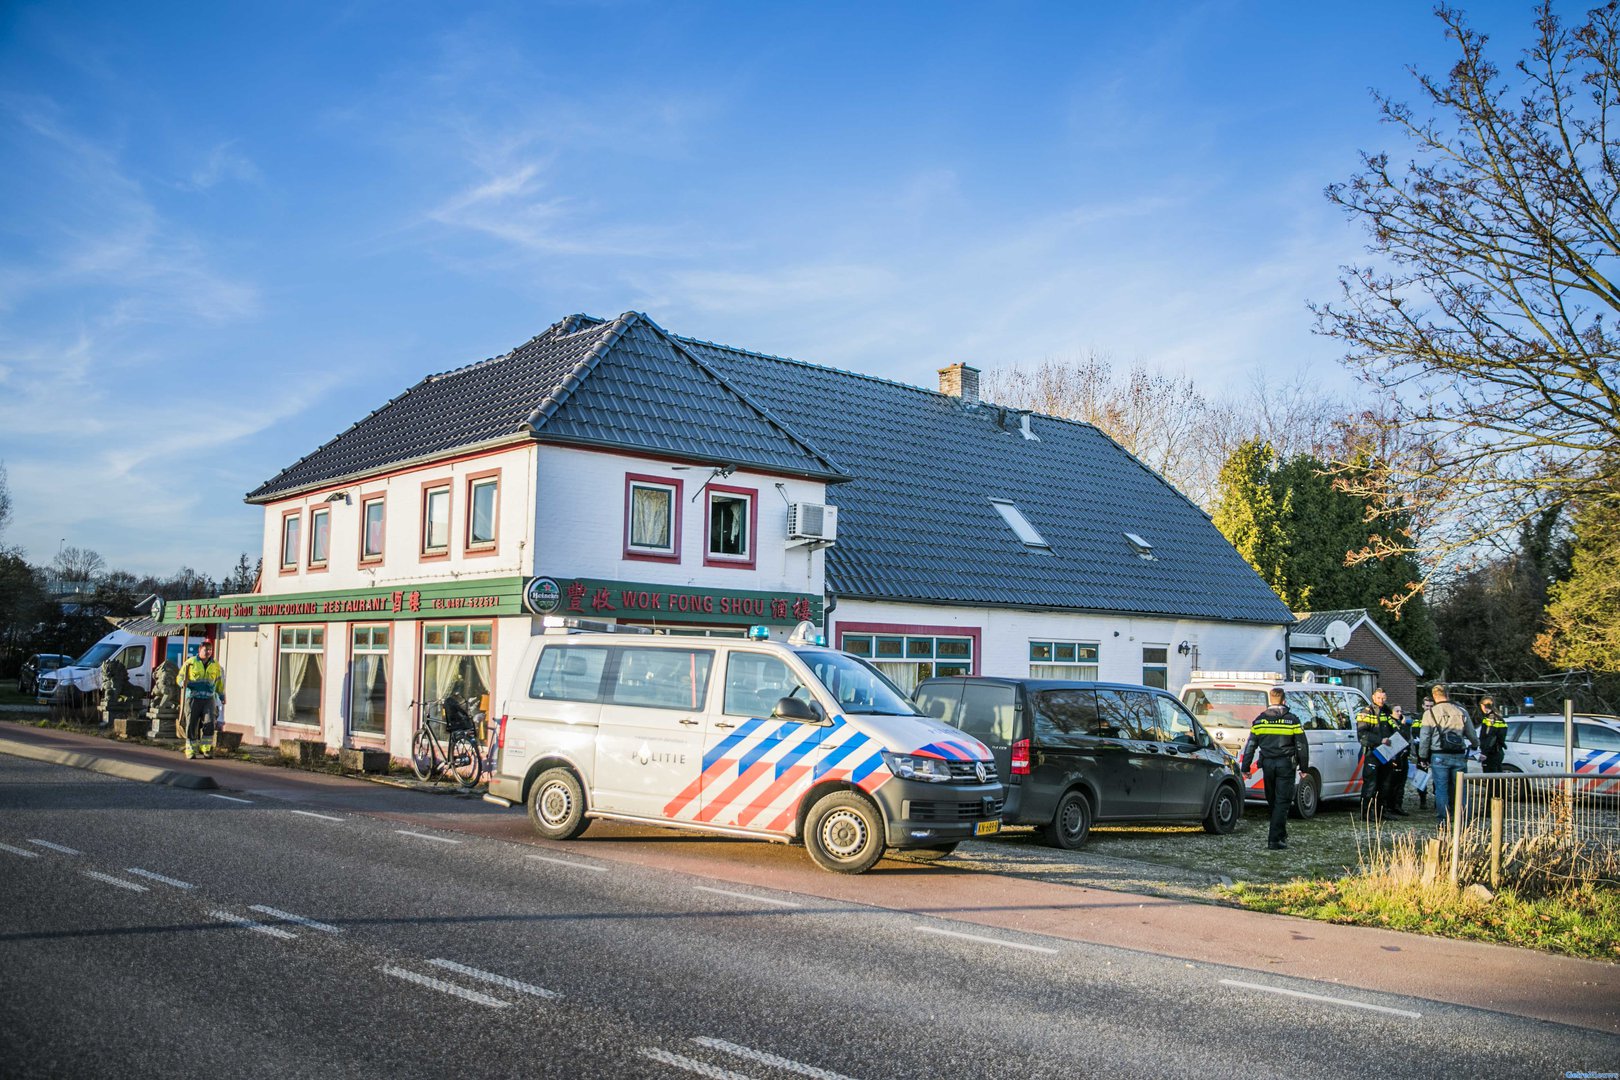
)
(636, 601)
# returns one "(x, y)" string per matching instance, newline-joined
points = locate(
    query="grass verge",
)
(1583, 921)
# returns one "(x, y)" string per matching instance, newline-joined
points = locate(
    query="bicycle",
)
(447, 743)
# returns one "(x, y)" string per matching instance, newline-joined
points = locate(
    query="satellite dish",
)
(1337, 634)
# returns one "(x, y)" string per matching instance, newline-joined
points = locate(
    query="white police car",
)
(1535, 745)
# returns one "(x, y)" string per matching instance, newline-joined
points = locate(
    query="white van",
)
(80, 681)
(787, 742)
(1226, 703)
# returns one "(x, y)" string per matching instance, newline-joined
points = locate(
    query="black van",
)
(1077, 752)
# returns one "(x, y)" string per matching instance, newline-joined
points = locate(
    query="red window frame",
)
(309, 543)
(482, 547)
(677, 506)
(296, 514)
(740, 562)
(429, 487)
(365, 509)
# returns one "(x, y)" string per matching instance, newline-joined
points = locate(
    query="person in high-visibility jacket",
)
(1492, 735)
(203, 682)
(1279, 738)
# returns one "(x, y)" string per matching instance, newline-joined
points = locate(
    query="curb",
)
(124, 770)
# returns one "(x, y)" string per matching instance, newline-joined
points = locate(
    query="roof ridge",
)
(809, 364)
(556, 327)
(547, 406)
(770, 417)
(385, 405)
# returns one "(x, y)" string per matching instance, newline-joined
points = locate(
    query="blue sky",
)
(230, 232)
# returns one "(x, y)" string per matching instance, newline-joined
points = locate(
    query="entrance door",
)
(650, 739)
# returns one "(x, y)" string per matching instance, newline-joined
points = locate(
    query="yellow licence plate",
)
(985, 828)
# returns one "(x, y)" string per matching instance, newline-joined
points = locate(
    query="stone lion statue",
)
(119, 697)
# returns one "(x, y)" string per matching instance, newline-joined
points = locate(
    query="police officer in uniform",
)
(1492, 735)
(1395, 790)
(1279, 738)
(1374, 726)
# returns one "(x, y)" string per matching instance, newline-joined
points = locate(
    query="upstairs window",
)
(436, 520)
(731, 526)
(371, 529)
(320, 535)
(652, 518)
(291, 534)
(481, 505)
(1019, 524)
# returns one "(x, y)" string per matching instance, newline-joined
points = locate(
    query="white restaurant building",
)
(611, 470)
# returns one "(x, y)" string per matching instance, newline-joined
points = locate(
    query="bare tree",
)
(1482, 318)
(77, 564)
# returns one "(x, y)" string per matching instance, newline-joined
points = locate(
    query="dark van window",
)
(756, 682)
(942, 701)
(988, 713)
(1072, 712)
(569, 673)
(1125, 714)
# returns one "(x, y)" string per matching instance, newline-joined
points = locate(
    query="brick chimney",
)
(960, 381)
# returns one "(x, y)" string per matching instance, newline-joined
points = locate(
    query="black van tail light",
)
(1020, 758)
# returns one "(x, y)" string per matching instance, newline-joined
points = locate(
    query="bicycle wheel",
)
(424, 754)
(466, 762)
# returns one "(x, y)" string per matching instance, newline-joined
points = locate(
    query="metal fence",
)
(1536, 832)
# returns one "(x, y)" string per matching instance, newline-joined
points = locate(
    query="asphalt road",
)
(150, 931)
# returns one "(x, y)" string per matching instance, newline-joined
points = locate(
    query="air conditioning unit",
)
(812, 521)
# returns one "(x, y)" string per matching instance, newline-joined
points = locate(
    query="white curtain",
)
(294, 668)
(650, 518)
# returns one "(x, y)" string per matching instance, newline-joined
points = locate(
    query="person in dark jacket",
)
(1492, 735)
(1278, 738)
(1395, 791)
(1374, 726)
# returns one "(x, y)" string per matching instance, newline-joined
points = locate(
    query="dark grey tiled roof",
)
(1316, 622)
(622, 384)
(916, 522)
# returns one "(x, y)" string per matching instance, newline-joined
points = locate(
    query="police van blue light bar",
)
(759, 633)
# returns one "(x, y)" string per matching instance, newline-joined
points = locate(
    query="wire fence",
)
(1536, 833)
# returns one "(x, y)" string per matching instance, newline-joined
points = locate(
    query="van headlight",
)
(912, 767)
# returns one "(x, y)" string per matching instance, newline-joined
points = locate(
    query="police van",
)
(1226, 703)
(791, 742)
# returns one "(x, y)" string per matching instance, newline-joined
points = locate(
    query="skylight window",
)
(1020, 525)
(1141, 546)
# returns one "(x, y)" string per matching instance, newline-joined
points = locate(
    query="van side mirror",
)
(792, 708)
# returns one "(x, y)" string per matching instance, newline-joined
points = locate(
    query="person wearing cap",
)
(202, 682)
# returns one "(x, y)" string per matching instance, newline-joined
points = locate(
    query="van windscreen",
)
(1224, 707)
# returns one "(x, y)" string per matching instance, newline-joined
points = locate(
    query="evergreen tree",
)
(1250, 515)
(1583, 615)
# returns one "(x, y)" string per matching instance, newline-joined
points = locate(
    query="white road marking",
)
(1323, 997)
(427, 836)
(747, 896)
(445, 988)
(323, 817)
(20, 851)
(569, 862)
(249, 924)
(702, 1068)
(138, 872)
(984, 940)
(56, 847)
(120, 882)
(230, 798)
(491, 977)
(770, 1059)
(288, 916)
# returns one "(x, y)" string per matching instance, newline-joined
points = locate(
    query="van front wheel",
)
(844, 833)
(557, 805)
(1224, 813)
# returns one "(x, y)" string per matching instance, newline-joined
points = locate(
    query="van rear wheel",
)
(844, 833)
(1307, 796)
(1071, 824)
(557, 805)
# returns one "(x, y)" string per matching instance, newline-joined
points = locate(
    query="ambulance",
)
(784, 741)
(1226, 703)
